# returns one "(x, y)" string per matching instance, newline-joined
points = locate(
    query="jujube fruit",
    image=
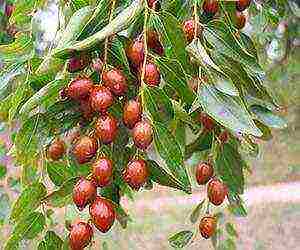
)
(207, 226)
(79, 88)
(132, 113)
(115, 80)
(240, 20)
(9, 9)
(152, 75)
(86, 108)
(85, 149)
(207, 122)
(80, 236)
(103, 214)
(84, 192)
(97, 65)
(136, 174)
(154, 4)
(204, 172)
(211, 7)
(154, 43)
(57, 149)
(142, 134)
(77, 63)
(135, 52)
(188, 28)
(102, 170)
(241, 5)
(106, 128)
(216, 191)
(101, 98)
(224, 136)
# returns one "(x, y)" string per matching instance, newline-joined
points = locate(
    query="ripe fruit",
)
(207, 226)
(106, 128)
(210, 7)
(86, 108)
(115, 80)
(77, 63)
(136, 174)
(207, 122)
(9, 9)
(154, 43)
(102, 213)
(240, 20)
(97, 65)
(154, 4)
(216, 192)
(80, 235)
(152, 75)
(142, 134)
(56, 150)
(132, 113)
(101, 98)
(241, 5)
(85, 149)
(102, 170)
(204, 172)
(189, 29)
(224, 136)
(84, 192)
(135, 52)
(79, 88)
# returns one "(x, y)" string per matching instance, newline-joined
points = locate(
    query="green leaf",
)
(181, 239)
(267, 134)
(78, 4)
(157, 103)
(174, 75)
(29, 200)
(5, 205)
(169, 150)
(51, 241)
(203, 142)
(119, 23)
(268, 118)
(122, 217)
(59, 171)
(196, 212)
(27, 228)
(161, 176)
(3, 171)
(227, 110)
(231, 230)
(63, 195)
(236, 205)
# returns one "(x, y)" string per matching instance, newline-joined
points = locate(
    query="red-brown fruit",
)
(101, 98)
(136, 174)
(154, 4)
(224, 136)
(142, 134)
(85, 149)
(80, 236)
(132, 113)
(102, 213)
(79, 88)
(84, 192)
(97, 65)
(102, 170)
(204, 172)
(241, 5)
(135, 52)
(9, 9)
(57, 149)
(240, 20)
(211, 7)
(216, 191)
(152, 75)
(78, 62)
(207, 122)
(207, 226)
(86, 108)
(106, 128)
(115, 80)
(188, 28)
(154, 43)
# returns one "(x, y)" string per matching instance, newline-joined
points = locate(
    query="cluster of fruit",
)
(10, 29)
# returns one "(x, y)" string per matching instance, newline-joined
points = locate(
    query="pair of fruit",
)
(241, 5)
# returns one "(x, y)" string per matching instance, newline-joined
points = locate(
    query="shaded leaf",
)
(181, 239)
(122, 217)
(51, 241)
(236, 205)
(59, 171)
(203, 142)
(196, 212)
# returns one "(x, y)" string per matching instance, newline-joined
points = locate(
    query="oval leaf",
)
(196, 212)
(181, 239)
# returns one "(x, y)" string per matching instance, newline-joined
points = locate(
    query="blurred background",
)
(273, 187)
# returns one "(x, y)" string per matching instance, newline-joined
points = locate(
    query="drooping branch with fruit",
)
(122, 79)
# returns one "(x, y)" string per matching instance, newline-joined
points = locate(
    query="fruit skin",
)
(204, 172)
(101, 98)
(57, 149)
(103, 214)
(136, 174)
(115, 80)
(224, 137)
(79, 88)
(188, 28)
(240, 20)
(97, 65)
(210, 7)
(84, 192)
(154, 43)
(78, 63)
(142, 134)
(9, 9)
(80, 235)
(207, 226)
(85, 149)
(241, 5)
(102, 170)
(152, 75)
(216, 191)
(135, 52)
(86, 108)
(207, 122)
(132, 113)
(154, 4)
(106, 128)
